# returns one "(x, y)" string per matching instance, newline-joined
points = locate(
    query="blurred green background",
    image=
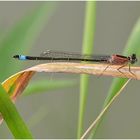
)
(54, 114)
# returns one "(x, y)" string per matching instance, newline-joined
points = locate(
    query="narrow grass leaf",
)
(89, 30)
(132, 46)
(12, 117)
(103, 111)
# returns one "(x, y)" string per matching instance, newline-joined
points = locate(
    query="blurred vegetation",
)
(88, 42)
(132, 46)
(22, 37)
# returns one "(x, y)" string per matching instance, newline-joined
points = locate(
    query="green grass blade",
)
(87, 49)
(12, 117)
(132, 46)
(21, 38)
(38, 87)
(115, 87)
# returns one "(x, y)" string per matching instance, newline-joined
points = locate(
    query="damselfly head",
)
(133, 58)
(16, 56)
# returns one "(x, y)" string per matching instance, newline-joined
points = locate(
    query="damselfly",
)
(114, 59)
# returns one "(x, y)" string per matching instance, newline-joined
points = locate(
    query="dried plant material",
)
(15, 84)
(103, 111)
(94, 69)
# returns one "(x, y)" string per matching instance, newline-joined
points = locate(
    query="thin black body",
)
(104, 59)
(64, 56)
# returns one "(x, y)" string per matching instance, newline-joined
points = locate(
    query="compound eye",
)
(133, 56)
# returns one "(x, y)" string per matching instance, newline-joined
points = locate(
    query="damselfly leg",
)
(119, 69)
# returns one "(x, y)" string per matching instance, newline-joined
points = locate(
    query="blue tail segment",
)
(22, 57)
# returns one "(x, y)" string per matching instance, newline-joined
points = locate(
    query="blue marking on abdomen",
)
(22, 57)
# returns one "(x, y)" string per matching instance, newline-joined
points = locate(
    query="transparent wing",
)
(68, 55)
